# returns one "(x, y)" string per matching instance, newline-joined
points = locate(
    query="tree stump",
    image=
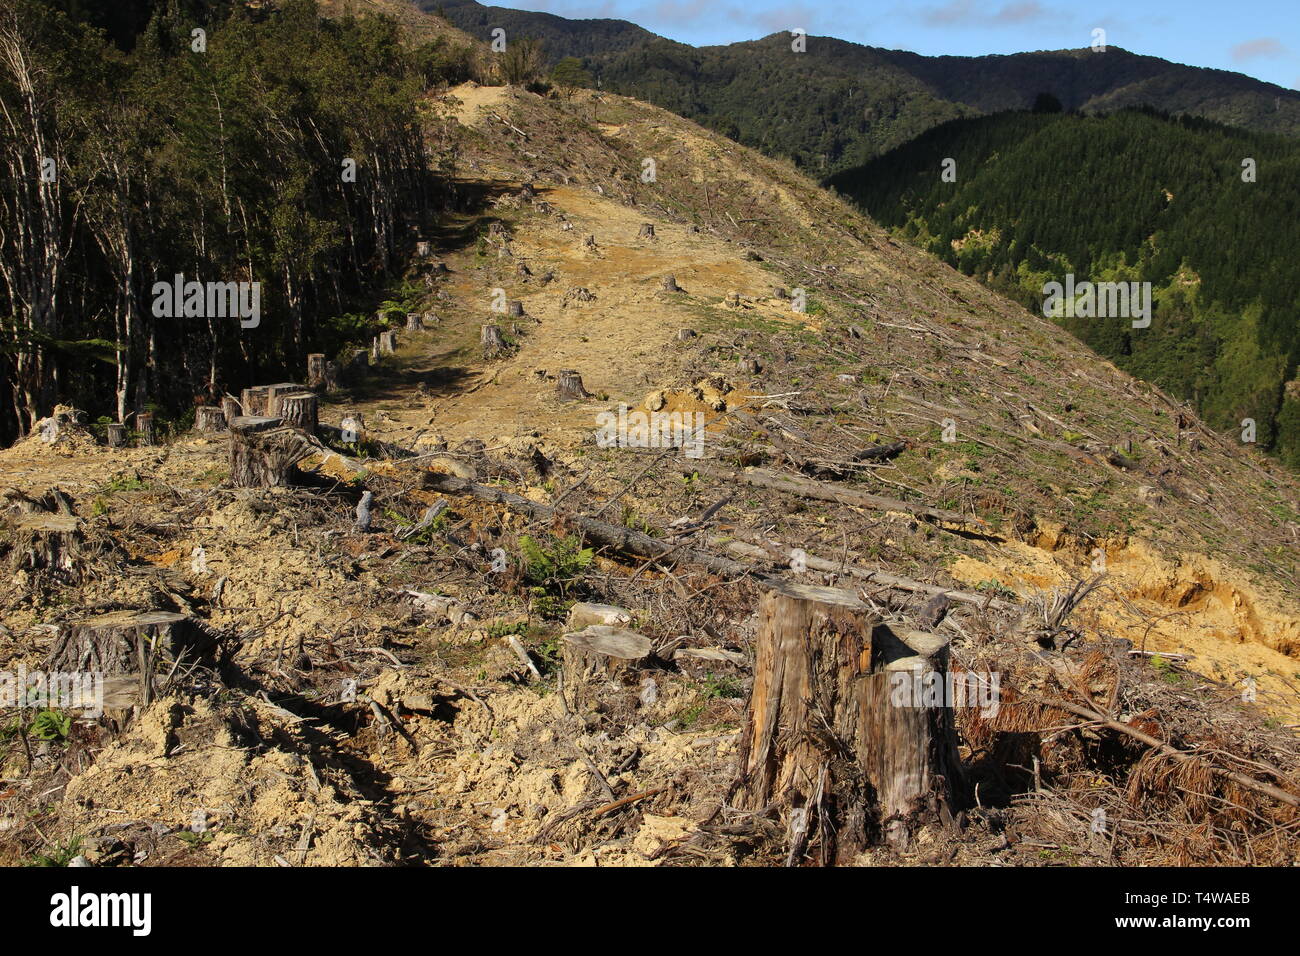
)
(145, 426)
(647, 231)
(440, 269)
(230, 408)
(387, 343)
(424, 249)
(209, 418)
(522, 270)
(263, 451)
(685, 335)
(116, 434)
(252, 401)
(491, 340)
(589, 242)
(430, 319)
(750, 365)
(315, 369)
(601, 656)
(670, 284)
(275, 392)
(414, 322)
(134, 644)
(827, 732)
(299, 410)
(569, 387)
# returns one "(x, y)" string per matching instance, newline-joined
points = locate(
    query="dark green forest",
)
(134, 149)
(1129, 196)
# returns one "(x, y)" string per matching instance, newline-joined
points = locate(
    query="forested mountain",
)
(1122, 197)
(134, 150)
(839, 104)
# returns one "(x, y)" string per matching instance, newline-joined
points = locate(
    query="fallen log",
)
(783, 555)
(828, 491)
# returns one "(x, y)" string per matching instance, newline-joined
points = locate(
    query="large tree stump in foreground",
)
(601, 655)
(131, 644)
(833, 734)
(263, 451)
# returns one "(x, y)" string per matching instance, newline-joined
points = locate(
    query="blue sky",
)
(1260, 38)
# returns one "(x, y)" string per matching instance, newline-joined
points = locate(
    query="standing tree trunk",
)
(832, 733)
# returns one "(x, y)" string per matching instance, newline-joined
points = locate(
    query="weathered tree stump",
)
(315, 369)
(569, 387)
(387, 343)
(252, 401)
(145, 426)
(522, 270)
(832, 726)
(275, 392)
(599, 657)
(670, 284)
(298, 410)
(589, 242)
(685, 335)
(414, 322)
(209, 418)
(133, 644)
(647, 231)
(263, 452)
(491, 340)
(116, 434)
(230, 408)
(750, 365)
(424, 249)
(516, 309)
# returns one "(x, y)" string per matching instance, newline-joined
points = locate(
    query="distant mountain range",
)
(841, 104)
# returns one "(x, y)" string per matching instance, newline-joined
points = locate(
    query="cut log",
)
(833, 732)
(315, 370)
(491, 340)
(116, 435)
(670, 284)
(209, 418)
(828, 491)
(601, 657)
(569, 387)
(135, 643)
(298, 410)
(145, 426)
(414, 322)
(263, 451)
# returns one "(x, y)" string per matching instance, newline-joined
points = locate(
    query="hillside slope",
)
(1019, 463)
(842, 103)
